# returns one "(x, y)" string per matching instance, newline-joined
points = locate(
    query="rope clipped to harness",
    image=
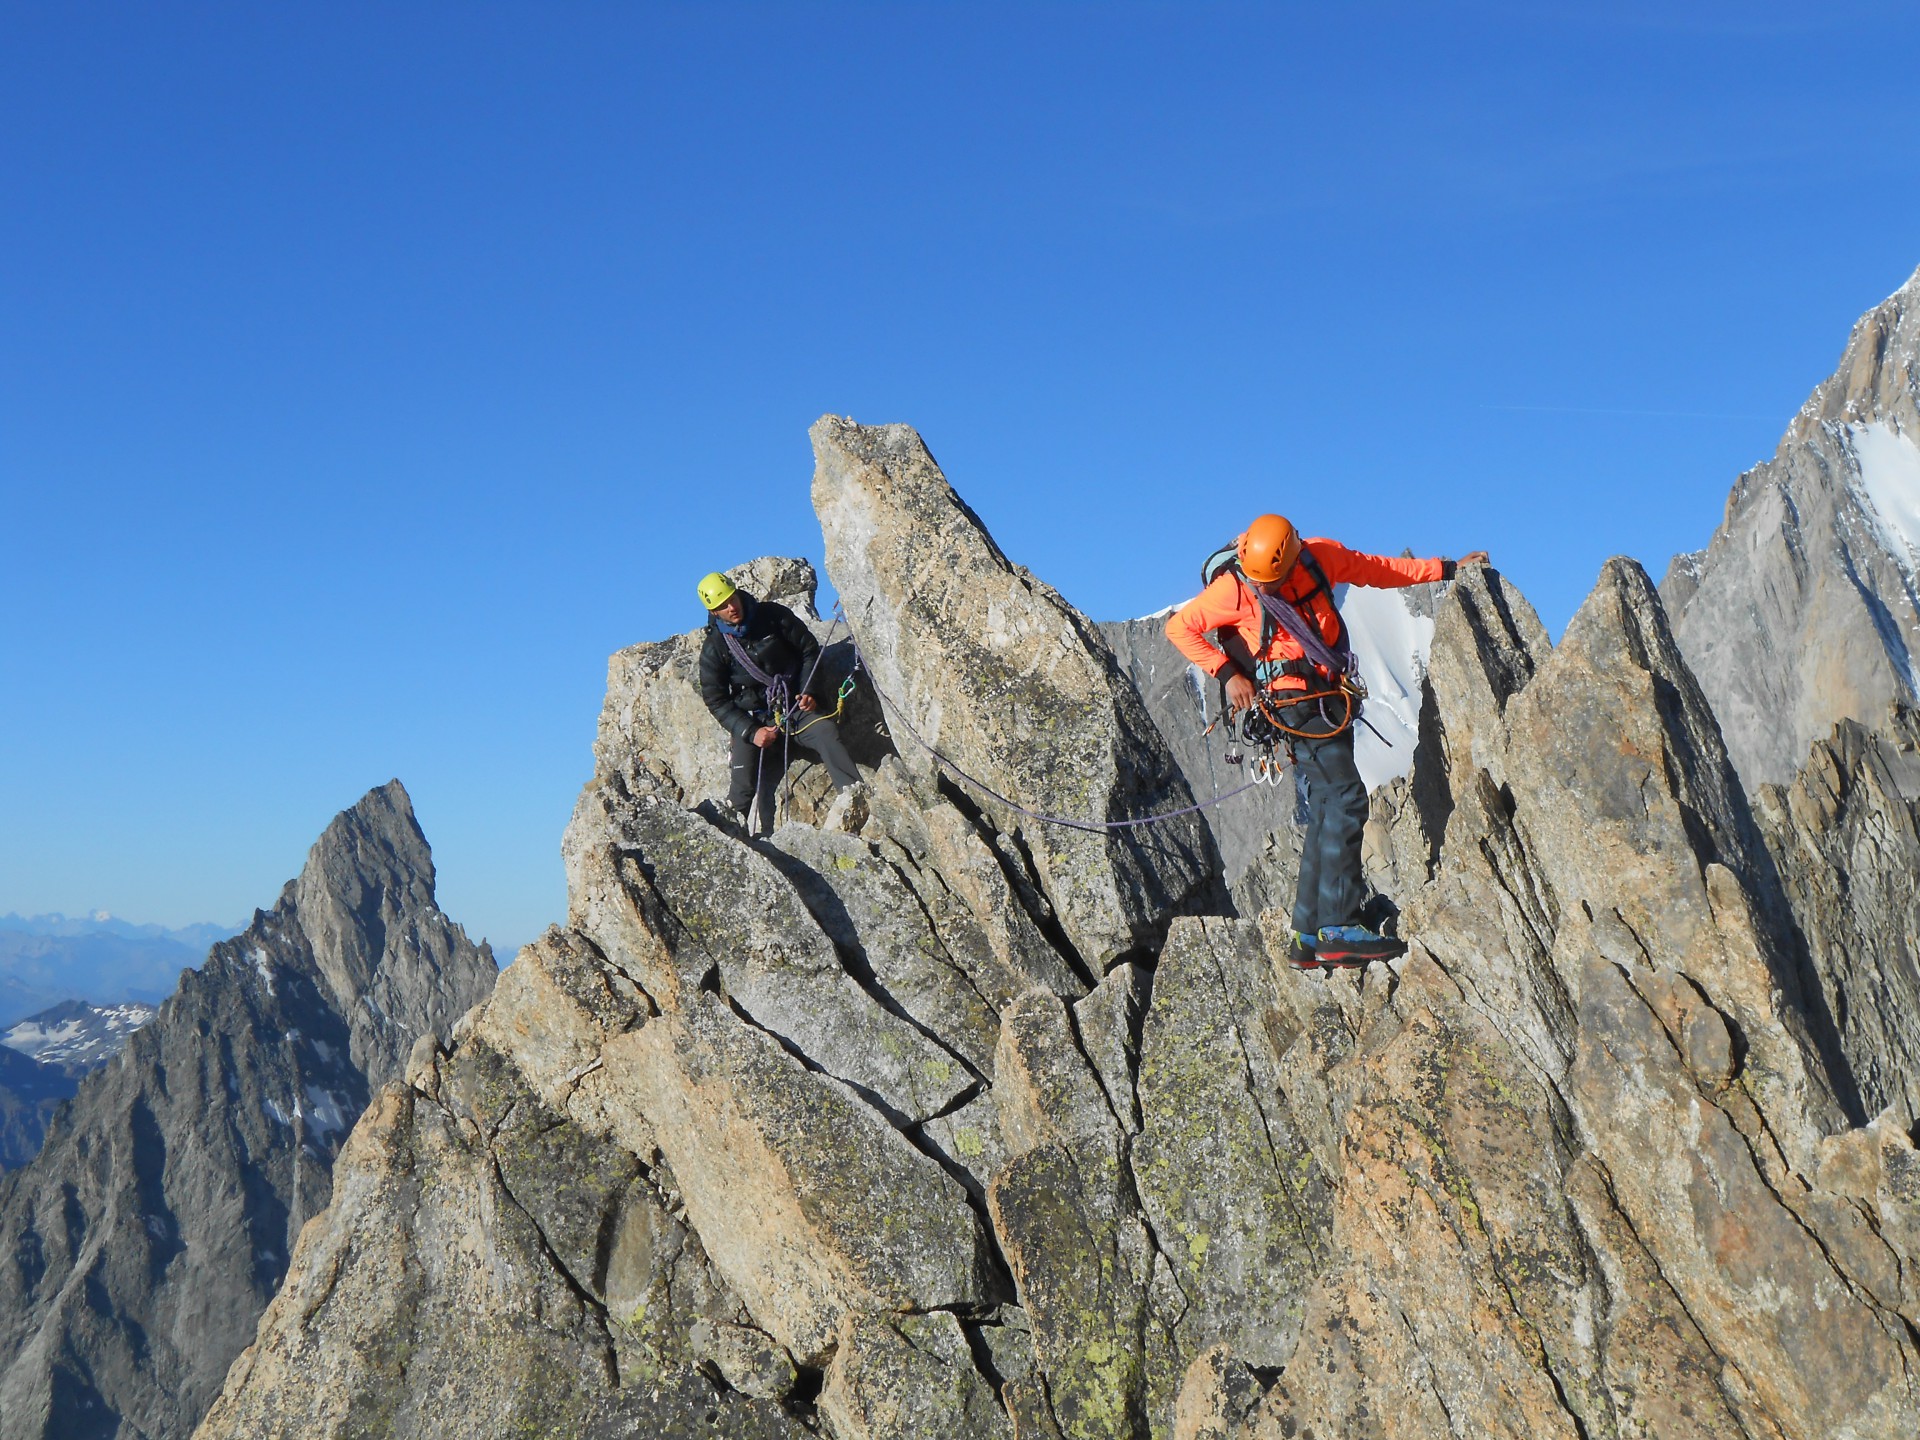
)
(839, 706)
(778, 688)
(1267, 714)
(780, 719)
(782, 706)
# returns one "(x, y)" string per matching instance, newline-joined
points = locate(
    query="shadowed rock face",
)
(923, 1123)
(1805, 608)
(1846, 837)
(30, 1093)
(1257, 832)
(157, 1222)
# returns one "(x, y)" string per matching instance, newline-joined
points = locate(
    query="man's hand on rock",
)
(805, 702)
(766, 735)
(1239, 691)
(1476, 557)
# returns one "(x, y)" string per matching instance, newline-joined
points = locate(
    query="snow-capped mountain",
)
(1805, 607)
(75, 1037)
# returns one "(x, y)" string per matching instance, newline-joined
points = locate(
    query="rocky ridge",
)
(931, 1121)
(157, 1221)
(1804, 609)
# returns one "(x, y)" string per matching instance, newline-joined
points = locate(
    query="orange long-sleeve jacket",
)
(1229, 603)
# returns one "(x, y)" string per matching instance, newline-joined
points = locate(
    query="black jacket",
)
(777, 642)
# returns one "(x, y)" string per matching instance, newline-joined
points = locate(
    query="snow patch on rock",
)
(1391, 644)
(1889, 471)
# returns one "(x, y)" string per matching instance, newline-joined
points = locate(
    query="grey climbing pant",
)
(1331, 889)
(820, 736)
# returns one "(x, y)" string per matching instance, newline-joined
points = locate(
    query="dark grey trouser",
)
(751, 763)
(1331, 889)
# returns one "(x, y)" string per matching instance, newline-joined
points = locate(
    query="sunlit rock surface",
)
(936, 1122)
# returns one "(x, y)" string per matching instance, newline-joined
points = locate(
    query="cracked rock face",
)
(157, 1222)
(934, 1123)
(1846, 838)
(991, 667)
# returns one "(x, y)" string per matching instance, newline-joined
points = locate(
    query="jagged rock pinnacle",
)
(954, 1126)
(159, 1218)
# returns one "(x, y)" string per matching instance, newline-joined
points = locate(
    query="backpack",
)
(1227, 557)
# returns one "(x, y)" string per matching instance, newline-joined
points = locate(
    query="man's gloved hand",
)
(766, 735)
(1450, 568)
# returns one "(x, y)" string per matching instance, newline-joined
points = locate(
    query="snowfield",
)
(1392, 645)
(1889, 472)
(75, 1035)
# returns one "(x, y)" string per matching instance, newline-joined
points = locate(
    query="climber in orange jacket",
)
(1278, 635)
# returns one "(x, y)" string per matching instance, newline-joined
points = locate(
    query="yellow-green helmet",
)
(715, 590)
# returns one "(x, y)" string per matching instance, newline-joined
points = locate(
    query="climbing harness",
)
(779, 688)
(783, 706)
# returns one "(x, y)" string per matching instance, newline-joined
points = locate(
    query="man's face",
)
(1271, 587)
(732, 610)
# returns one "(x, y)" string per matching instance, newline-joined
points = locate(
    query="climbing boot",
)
(1300, 952)
(849, 810)
(1354, 945)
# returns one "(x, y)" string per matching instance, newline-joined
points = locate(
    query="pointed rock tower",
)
(157, 1222)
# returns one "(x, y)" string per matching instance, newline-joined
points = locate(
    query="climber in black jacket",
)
(755, 666)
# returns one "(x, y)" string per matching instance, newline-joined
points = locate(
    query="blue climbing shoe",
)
(1354, 945)
(1300, 952)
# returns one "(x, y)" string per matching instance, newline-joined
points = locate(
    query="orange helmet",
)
(1269, 548)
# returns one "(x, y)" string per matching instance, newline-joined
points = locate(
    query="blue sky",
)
(368, 373)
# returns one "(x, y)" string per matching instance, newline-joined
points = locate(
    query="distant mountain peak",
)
(1878, 377)
(242, 1088)
(1804, 610)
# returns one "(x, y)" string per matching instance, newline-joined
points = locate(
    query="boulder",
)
(910, 1375)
